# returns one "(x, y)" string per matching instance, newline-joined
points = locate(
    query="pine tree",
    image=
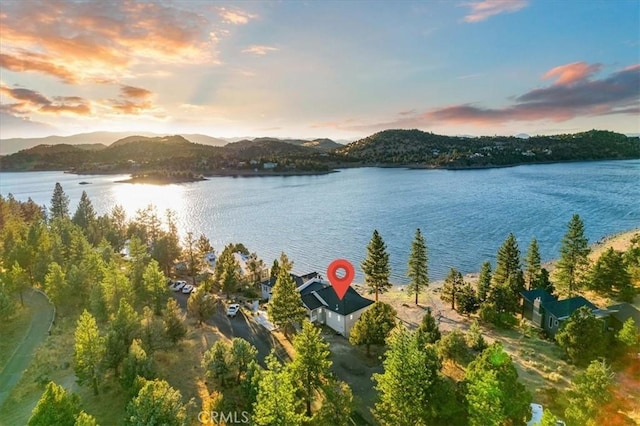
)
(373, 326)
(418, 266)
(55, 407)
(155, 291)
(428, 332)
(494, 393)
(590, 391)
(574, 256)
(84, 419)
(311, 366)
(407, 385)
(216, 363)
(337, 405)
(276, 400)
(452, 286)
(136, 364)
(533, 265)
(376, 266)
(89, 349)
(507, 261)
(157, 403)
(59, 203)
(484, 281)
(85, 214)
(609, 275)
(124, 327)
(582, 337)
(285, 308)
(174, 326)
(241, 354)
(201, 305)
(467, 300)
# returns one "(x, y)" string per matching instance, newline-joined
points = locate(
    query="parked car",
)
(178, 285)
(232, 310)
(187, 289)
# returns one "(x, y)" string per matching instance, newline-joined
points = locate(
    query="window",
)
(550, 322)
(351, 316)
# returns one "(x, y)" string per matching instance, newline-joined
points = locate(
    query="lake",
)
(465, 215)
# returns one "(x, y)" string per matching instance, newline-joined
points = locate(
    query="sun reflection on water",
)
(133, 197)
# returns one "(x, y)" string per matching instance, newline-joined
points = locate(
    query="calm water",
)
(465, 215)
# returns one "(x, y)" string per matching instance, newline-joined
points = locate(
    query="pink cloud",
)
(617, 93)
(236, 17)
(571, 73)
(29, 101)
(482, 10)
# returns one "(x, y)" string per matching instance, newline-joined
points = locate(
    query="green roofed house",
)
(620, 313)
(547, 312)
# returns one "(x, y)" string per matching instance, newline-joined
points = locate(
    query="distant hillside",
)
(415, 147)
(265, 148)
(9, 146)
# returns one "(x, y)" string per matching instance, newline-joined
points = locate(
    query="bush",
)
(453, 346)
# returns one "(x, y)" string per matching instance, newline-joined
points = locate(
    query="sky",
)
(311, 69)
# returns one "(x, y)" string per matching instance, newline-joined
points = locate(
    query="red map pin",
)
(340, 285)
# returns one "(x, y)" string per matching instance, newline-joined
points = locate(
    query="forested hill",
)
(415, 147)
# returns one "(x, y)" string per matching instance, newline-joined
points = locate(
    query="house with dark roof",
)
(547, 312)
(620, 313)
(322, 303)
(266, 287)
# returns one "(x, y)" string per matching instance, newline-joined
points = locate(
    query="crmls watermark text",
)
(221, 417)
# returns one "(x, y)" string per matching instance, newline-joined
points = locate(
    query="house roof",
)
(564, 308)
(624, 311)
(298, 279)
(320, 293)
(531, 295)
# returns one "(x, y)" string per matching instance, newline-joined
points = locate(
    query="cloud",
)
(134, 92)
(571, 73)
(29, 101)
(12, 126)
(482, 10)
(259, 49)
(575, 94)
(78, 41)
(132, 101)
(236, 17)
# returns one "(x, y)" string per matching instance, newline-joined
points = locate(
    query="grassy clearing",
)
(12, 332)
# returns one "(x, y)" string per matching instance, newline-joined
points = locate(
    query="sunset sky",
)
(337, 69)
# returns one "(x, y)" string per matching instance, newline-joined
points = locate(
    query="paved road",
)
(244, 327)
(34, 336)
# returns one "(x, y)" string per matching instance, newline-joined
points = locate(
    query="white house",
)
(323, 305)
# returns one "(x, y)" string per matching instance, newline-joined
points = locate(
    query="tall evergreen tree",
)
(285, 308)
(85, 214)
(311, 366)
(452, 286)
(174, 326)
(484, 281)
(55, 407)
(276, 400)
(201, 305)
(494, 393)
(59, 203)
(136, 364)
(574, 256)
(155, 291)
(507, 261)
(533, 264)
(376, 266)
(609, 275)
(410, 379)
(241, 354)
(124, 327)
(418, 266)
(590, 391)
(89, 349)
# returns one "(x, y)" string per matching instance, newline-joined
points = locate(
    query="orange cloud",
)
(571, 73)
(481, 10)
(134, 92)
(97, 41)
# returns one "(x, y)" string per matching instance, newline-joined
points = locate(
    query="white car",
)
(232, 310)
(178, 285)
(187, 289)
